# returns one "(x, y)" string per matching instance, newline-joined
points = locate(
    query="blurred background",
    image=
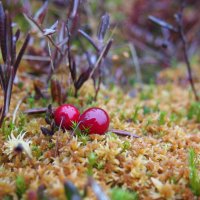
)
(140, 49)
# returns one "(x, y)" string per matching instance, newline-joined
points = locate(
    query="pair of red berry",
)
(93, 120)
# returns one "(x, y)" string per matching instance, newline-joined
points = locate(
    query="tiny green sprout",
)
(44, 102)
(160, 134)
(86, 130)
(173, 117)
(121, 193)
(20, 85)
(135, 114)
(31, 101)
(100, 165)
(149, 122)
(51, 145)
(156, 107)
(92, 159)
(21, 122)
(149, 174)
(70, 92)
(122, 116)
(89, 99)
(194, 178)
(147, 93)
(194, 111)
(7, 197)
(146, 110)
(112, 135)
(20, 186)
(36, 151)
(7, 128)
(84, 138)
(92, 162)
(74, 125)
(161, 118)
(126, 145)
(173, 180)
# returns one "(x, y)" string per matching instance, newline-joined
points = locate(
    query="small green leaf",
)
(194, 178)
(20, 186)
(161, 119)
(120, 193)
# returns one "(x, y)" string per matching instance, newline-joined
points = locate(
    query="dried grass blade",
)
(102, 55)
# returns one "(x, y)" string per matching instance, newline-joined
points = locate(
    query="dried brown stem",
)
(179, 19)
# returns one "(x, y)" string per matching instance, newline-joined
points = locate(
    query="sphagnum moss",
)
(154, 165)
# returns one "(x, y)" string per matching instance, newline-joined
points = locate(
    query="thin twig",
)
(35, 111)
(124, 133)
(101, 56)
(36, 58)
(179, 18)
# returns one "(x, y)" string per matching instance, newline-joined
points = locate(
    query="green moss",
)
(194, 111)
(7, 197)
(126, 145)
(162, 117)
(146, 110)
(31, 102)
(194, 178)
(135, 114)
(92, 162)
(36, 151)
(20, 186)
(7, 128)
(120, 193)
(147, 93)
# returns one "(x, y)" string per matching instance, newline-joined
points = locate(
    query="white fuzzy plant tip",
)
(17, 144)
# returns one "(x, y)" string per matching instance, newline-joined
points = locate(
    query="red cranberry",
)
(94, 120)
(66, 114)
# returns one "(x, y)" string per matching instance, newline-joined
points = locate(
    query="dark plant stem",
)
(179, 20)
(98, 86)
(76, 93)
(188, 63)
(123, 133)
